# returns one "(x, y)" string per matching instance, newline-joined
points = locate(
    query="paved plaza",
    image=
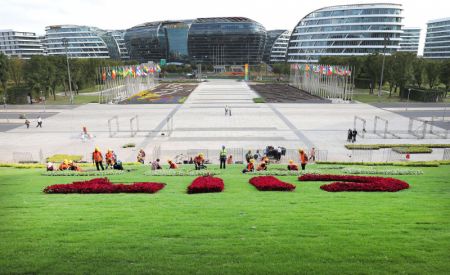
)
(200, 123)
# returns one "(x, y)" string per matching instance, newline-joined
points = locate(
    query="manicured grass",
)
(238, 231)
(77, 100)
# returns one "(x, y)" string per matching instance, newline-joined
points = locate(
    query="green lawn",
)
(239, 231)
(78, 100)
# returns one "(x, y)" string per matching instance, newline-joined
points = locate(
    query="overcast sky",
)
(34, 15)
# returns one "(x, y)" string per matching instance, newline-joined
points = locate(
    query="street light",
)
(386, 40)
(65, 42)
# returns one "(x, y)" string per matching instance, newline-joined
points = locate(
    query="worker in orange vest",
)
(250, 167)
(172, 165)
(292, 166)
(64, 165)
(97, 158)
(110, 161)
(262, 166)
(303, 158)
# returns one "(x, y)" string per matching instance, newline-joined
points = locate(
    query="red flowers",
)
(206, 184)
(357, 183)
(270, 183)
(103, 185)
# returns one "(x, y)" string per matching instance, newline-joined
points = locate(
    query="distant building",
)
(115, 42)
(218, 41)
(82, 41)
(410, 40)
(279, 48)
(437, 42)
(272, 35)
(20, 44)
(346, 30)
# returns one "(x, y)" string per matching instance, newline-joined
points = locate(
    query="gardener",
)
(172, 165)
(250, 167)
(155, 165)
(97, 158)
(141, 156)
(110, 159)
(303, 159)
(248, 156)
(199, 162)
(262, 166)
(292, 166)
(223, 157)
(64, 165)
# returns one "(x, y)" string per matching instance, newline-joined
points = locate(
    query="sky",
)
(35, 15)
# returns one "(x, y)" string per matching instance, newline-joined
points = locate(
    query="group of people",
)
(65, 165)
(227, 110)
(351, 135)
(38, 120)
(155, 165)
(111, 160)
(292, 166)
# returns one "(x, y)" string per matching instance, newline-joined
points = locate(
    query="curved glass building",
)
(437, 42)
(279, 48)
(115, 43)
(272, 35)
(346, 30)
(410, 40)
(83, 41)
(226, 41)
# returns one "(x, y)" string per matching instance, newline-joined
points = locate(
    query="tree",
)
(445, 75)
(403, 69)
(373, 65)
(16, 71)
(432, 70)
(418, 68)
(4, 67)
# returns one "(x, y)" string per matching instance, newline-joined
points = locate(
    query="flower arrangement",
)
(181, 172)
(356, 170)
(206, 184)
(103, 185)
(270, 183)
(357, 183)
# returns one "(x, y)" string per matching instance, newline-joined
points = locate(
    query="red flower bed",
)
(270, 183)
(206, 184)
(357, 183)
(103, 185)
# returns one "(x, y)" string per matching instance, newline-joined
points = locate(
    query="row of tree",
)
(402, 69)
(47, 73)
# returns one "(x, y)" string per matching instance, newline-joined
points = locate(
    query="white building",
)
(410, 40)
(279, 48)
(346, 30)
(20, 44)
(437, 42)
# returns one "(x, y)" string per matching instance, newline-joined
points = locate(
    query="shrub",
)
(270, 183)
(206, 184)
(357, 183)
(396, 163)
(129, 145)
(62, 157)
(380, 146)
(84, 173)
(356, 170)
(181, 172)
(412, 150)
(259, 100)
(103, 185)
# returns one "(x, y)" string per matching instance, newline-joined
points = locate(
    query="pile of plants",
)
(103, 185)
(129, 145)
(62, 157)
(270, 183)
(345, 183)
(206, 184)
(412, 150)
(367, 170)
(84, 173)
(380, 146)
(182, 172)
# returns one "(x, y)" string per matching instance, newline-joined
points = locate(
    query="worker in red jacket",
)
(97, 158)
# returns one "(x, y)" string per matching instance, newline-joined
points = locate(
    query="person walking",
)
(223, 157)
(303, 159)
(229, 111)
(354, 133)
(39, 122)
(226, 110)
(97, 158)
(312, 154)
(27, 123)
(349, 135)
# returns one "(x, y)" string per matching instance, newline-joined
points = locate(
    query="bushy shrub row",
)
(62, 157)
(380, 146)
(84, 173)
(205, 184)
(357, 170)
(357, 183)
(412, 150)
(270, 183)
(434, 163)
(103, 185)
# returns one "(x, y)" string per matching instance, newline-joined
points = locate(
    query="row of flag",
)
(323, 69)
(134, 71)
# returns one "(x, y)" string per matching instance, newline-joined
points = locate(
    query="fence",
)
(21, 157)
(446, 155)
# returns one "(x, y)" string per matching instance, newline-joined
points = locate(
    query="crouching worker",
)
(73, 166)
(64, 165)
(199, 162)
(250, 167)
(50, 166)
(262, 166)
(172, 165)
(292, 166)
(110, 159)
(155, 165)
(118, 165)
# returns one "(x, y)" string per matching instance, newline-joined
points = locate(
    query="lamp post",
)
(407, 99)
(386, 39)
(65, 42)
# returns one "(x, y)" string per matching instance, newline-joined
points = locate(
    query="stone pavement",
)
(200, 123)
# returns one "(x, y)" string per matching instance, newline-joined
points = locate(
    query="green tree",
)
(432, 70)
(373, 64)
(403, 69)
(445, 75)
(16, 70)
(418, 68)
(4, 67)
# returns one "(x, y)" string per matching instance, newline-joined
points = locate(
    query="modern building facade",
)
(22, 45)
(82, 41)
(279, 48)
(217, 41)
(437, 42)
(410, 40)
(272, 35)
(115, 43)
(346, 30)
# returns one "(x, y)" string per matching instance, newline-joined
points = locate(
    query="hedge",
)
(62, 157)
(412, 150)
(434, 163)
(380, 146)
